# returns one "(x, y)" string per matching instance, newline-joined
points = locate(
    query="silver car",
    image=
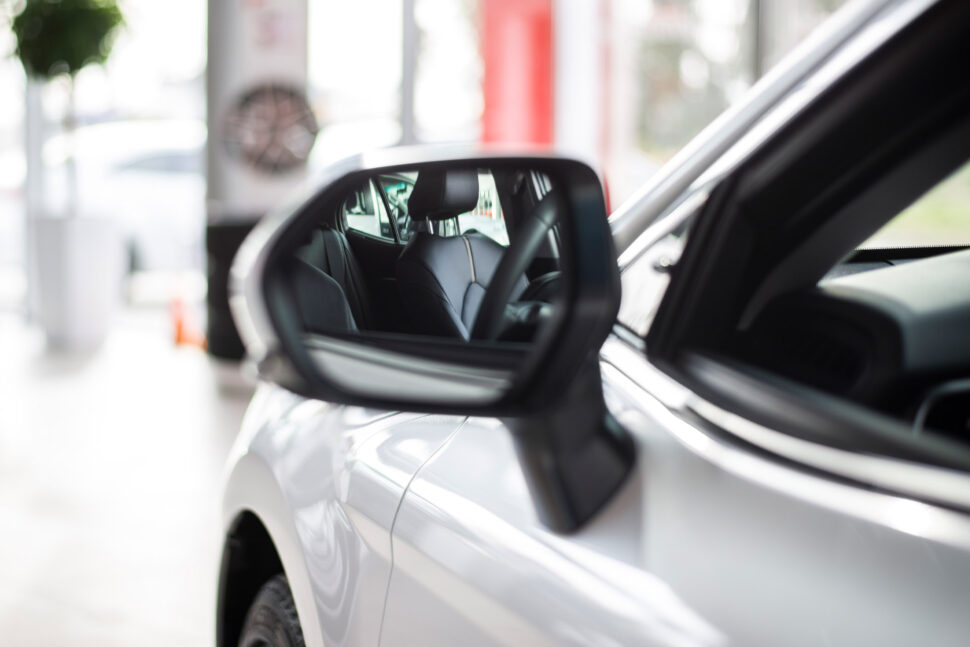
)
(730, 414)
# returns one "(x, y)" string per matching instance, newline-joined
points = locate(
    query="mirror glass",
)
(453, 257)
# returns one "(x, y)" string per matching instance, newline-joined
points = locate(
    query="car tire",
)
(272, 620)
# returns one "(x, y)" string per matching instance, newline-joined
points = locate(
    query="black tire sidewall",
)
(272, 620)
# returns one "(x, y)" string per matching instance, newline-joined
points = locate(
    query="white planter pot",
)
(79, 267)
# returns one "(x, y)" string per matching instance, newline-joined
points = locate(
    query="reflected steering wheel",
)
(490, 320)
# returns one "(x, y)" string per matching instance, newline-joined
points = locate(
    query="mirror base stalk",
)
(574, 454)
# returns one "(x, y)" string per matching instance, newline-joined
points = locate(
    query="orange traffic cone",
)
(186, 334)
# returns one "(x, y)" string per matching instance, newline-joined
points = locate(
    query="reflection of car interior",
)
(360, 209)
(397, 189)
(441, 282)
(329, 286)
(444, 280)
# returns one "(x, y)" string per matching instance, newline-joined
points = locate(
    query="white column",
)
(409, 59)
(580, 68)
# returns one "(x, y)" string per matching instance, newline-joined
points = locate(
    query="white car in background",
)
(147, 175)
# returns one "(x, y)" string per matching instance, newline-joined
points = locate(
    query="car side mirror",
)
(453, 322)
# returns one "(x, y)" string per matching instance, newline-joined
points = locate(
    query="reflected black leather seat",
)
(443, 279)
(328, 285)
(321, 303)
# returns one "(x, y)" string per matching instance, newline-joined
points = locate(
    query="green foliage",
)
(62, 36)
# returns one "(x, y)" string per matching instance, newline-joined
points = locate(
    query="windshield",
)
(940, 217)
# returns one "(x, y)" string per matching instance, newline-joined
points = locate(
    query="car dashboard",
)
(892, 337)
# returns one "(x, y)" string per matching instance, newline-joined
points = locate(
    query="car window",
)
(940, 217)
(179, 162)
(885, 328)
(397, 189)
(364, 212)
(487, 217)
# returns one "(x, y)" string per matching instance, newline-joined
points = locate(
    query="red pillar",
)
(517, 51)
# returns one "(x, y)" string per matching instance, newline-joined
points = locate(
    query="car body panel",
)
(473, 565)
(326, 481)
(797, 558)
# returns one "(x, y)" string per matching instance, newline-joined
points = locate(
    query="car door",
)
(708, 543)
(474, 566)
(729, 530)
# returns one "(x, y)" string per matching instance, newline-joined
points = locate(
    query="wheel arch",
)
(249, 558)
(260, 540)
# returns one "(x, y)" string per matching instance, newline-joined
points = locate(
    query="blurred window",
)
(364, 212)
(397, 189)
(354, 76)
(188, 162)
(677, 64)
(487, 217)
(448, 98)
(941, 217)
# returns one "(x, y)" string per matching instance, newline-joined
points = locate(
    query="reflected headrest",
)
(443, 194)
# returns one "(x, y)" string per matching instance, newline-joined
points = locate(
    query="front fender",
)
(252, 487)
(325, 481)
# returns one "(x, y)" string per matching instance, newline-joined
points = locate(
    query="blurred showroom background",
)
(110, 455)
(625, 82)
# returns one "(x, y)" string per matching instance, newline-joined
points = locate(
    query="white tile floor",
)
(110, 468)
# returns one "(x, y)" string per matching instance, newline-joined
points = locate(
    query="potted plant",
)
(79, 258)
